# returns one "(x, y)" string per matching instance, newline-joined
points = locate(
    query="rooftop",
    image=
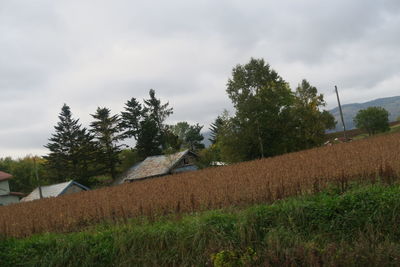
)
(5, 176)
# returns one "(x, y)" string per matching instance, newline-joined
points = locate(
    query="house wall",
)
(73, 189)
(185, 164)
(4, 188)
(6, 200)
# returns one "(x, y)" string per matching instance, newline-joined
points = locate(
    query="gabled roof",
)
(54, 190)
(5, 176)
(155, 166)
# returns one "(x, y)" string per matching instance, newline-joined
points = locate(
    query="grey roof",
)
(154, 166)
(54, 190)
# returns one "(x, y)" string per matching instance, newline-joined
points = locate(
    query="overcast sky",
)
(102, 53)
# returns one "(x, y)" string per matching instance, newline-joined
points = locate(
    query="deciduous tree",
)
(373, 120)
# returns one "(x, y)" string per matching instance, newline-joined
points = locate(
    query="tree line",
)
(269, 119)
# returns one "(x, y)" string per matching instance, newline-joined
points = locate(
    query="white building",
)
(55, 190)
(6, 196)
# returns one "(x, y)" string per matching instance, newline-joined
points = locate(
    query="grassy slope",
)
(360, 226)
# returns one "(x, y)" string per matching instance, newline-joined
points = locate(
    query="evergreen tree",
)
(214, 129)
(107, 131)
(156, 111)
(149, 140)
(71, 149)
(131, 117)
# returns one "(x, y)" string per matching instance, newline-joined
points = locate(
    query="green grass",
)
(358, 227)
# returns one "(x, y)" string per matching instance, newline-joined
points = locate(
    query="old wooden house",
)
(160, 165)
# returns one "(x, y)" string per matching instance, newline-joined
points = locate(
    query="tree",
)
(71, 148)
(149, 140)
(156, 111)
(24, 172)
(262, 100)
(214, 129)
(309, 121)
(107, 131)
(373, 120)
(189, 135)
(131, 117)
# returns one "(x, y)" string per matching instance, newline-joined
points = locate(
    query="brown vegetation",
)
(240, 184)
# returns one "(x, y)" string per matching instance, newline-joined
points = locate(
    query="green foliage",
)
(72, 150)
(228, 258)
(128, 158)
(359, 226)
(269, 118)
(24, 172)
(215, 128)
(188, 135)
(262, 100)
(309, 121)
(130, 118)
(145, 123)
(107, 131)
(373, 120)
(149, 141)
(156, 111)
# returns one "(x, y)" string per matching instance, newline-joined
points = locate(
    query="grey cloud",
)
(102, 53)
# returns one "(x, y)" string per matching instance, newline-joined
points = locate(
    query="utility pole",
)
(341, 114)
(37, 178)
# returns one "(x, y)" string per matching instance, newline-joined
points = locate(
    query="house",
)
(55, 190)
(155, 166)
(6, 196)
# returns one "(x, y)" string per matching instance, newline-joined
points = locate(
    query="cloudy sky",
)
(102, 53)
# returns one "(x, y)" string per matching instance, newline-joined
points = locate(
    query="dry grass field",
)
(246, 183)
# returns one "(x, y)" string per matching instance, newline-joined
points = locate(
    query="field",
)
(243, 184)
(358, 227)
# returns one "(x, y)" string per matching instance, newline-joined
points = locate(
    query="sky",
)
(102, 53)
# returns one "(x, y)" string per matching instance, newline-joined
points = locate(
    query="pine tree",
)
(107, 131)
(71, 149)
(149, 139)
(215, 127)
(156, 111)
(131, 117)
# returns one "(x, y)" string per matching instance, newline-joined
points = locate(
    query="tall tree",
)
(262, 100)
(156, 111)
(131, 117)
(215, 128)
(373, 120)
(309, 121)
(107, 131)
(70, 148)
(149, 140)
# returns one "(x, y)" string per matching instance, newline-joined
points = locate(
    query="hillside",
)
(391, 104)
(258, 181)
(356, 227)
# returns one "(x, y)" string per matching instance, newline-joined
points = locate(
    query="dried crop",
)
(245, 183)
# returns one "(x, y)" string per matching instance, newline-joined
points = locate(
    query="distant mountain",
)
(391, 104)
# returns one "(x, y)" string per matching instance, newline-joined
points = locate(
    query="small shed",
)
(55, 190)
(161, 165)
(6, 196)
